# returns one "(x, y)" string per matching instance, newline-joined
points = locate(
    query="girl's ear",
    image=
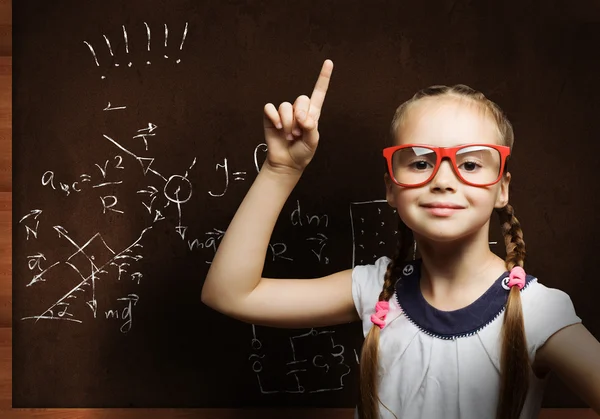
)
(389, 185)
(502, 198)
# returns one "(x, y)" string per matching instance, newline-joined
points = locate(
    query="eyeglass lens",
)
(479, 165)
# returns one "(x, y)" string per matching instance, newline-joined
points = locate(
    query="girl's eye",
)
(470, 166)
(420, 165)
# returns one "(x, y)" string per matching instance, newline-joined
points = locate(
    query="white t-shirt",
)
(439, 364)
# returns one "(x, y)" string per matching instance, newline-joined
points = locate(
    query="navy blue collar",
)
(450, 324)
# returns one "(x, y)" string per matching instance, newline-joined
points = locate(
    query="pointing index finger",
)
(318, 95)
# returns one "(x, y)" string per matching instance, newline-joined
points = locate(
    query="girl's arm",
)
(574, 354)
(234, 284)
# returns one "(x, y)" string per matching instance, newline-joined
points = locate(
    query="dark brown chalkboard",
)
(132, 153)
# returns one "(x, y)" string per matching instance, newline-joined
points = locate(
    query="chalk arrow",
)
(36, 213)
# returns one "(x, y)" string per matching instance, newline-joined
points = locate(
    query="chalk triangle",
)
(145, 162)
(158, 216)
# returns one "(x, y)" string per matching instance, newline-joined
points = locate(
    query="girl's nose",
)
(445, 178)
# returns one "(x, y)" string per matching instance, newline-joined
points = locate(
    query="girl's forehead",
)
(447, 122)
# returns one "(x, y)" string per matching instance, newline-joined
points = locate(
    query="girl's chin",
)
(445, 236)
(445, 229)
(442, 239)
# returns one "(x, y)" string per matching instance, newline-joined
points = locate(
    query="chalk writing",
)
(315, 225)
(237, 176)
(310, 371)
(278, 250)
(125, 43)
(32, 216)
(260, 153)
(211, 242)
(124, 314)
(114, 108)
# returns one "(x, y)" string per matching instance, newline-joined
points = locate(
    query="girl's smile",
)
(442, 210)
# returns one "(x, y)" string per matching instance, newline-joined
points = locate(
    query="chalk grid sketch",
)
(376, 238)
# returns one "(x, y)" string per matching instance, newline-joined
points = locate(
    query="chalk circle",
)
(257, 366)
(256, 344)
(178, 189)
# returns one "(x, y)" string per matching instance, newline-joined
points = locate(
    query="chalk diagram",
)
(94, 258)
(164, 196)
(307, 371)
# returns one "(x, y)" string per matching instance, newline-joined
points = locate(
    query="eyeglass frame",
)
(449, 153)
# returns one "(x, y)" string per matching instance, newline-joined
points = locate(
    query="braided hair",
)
(514, 362)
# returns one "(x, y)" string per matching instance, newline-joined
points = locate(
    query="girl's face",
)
(447, 122)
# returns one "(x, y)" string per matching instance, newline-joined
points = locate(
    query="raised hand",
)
(292, 131)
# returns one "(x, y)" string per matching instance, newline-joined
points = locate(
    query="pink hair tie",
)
(381, 309)
(516, 277)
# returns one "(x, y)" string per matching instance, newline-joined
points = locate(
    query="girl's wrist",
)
(281, 173)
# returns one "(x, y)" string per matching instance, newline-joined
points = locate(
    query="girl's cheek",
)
(482, 197)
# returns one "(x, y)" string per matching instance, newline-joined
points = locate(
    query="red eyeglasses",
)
(414, 165)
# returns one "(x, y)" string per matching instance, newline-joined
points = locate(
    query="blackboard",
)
(138, 129)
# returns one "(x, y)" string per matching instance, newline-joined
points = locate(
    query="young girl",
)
(457, 333)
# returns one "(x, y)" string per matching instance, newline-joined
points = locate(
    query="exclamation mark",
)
(126, 44)
(166, 38)
(148, 35)
(109, 48)
(94, 55)
(182, 41)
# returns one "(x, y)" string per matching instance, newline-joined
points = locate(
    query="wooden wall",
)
(6, 410)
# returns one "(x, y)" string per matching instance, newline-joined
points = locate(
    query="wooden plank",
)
(5, 259)
(5, 27)
(5, 262)
(5, 12)
(229, 414)
(5, 39)
(5, 368)
(6, 65)
(177, 413)
(5, 123)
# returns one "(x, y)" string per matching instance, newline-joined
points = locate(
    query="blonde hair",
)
(514, 362)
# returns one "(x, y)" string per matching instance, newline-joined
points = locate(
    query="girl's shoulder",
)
(367, 283)
(546, 310)
(540, 299)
